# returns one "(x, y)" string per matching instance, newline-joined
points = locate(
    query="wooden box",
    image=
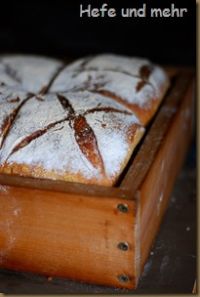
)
(95, 234)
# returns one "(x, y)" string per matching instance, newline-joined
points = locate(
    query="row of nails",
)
(123, 245)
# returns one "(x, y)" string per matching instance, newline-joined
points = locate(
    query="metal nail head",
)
(123, 278)
(123, 246)
(122, 207)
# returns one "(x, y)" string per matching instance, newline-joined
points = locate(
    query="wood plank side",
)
(155, 190)
(76, 237)
(155, 136)
(63, 186)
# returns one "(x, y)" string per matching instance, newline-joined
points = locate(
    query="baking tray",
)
(99, 234)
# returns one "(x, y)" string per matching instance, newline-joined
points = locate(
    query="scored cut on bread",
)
(133, 82)
(79, 122)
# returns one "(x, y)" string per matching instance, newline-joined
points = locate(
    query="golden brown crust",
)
(122, 116)
(144, 114)
(133, 137)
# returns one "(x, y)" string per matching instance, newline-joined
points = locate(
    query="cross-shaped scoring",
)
(79, 122)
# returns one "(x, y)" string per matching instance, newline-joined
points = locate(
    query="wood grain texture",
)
(63, 186)
(176, 277)
(70, 236)
(155, 190)
(142, 162)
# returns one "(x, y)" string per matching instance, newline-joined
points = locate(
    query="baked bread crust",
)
(70, 122)
(133, 82)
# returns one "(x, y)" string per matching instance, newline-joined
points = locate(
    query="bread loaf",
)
(78, 122)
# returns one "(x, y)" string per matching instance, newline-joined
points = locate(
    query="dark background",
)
(54, 28)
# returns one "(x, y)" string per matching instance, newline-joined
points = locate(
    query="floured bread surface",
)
(134, 82)
(80, 138)
(54, 124)
(31, 73)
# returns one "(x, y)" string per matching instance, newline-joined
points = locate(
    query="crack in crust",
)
(81, 67)
(144, 71)
(87, 142)
(36, 134)
(12, 73)
(140, 85)
(10, 119)
(144, 74)
(66, 105)
(84, 135)
(44, 90)
(14, 100)
(106, 110)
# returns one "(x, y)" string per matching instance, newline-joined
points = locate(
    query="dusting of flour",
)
(57, 149)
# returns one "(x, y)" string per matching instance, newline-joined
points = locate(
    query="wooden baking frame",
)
(92, 233)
